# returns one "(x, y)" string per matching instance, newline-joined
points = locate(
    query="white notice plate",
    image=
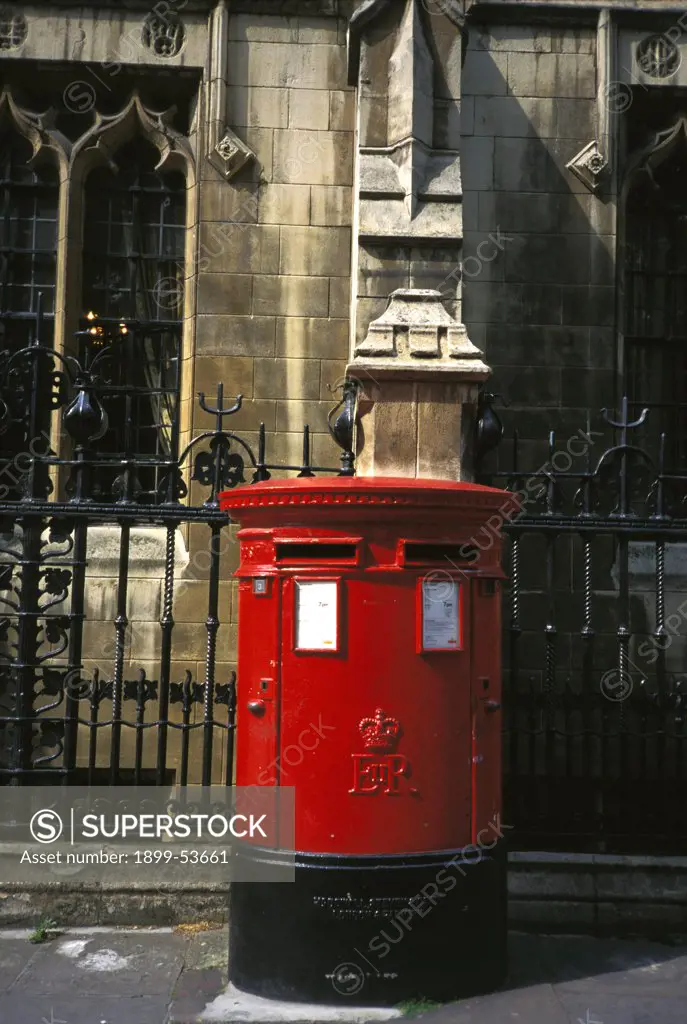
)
(316, 615)
(440, 615)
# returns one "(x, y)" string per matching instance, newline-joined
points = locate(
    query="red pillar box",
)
(369, 678)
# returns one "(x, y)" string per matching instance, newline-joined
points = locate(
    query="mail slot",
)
(369, 678)
(444, 555)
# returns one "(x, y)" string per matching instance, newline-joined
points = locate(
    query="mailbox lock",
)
(256, 706)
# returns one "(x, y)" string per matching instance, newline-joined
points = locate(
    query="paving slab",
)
(204, 977)
(195, 990)
(15, 957)
(653, 977)
(581, 980)
(161, 976)
(611, 1008)
(90, 976)
(144, 964)
(121, 1009)
(537, 1004)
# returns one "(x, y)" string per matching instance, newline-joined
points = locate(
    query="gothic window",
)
(655, 314)
(28, 239)
(133, 279)
(28, 243)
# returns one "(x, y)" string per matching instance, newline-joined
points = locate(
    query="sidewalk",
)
(161, 976)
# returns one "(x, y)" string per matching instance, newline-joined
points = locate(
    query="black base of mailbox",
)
(373, 930)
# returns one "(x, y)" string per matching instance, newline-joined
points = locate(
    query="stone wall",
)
(270, 311)
(273, 288)
(268, 263)
(539, 257)
(273, 297)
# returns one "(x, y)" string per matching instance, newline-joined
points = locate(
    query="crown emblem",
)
(380, 734)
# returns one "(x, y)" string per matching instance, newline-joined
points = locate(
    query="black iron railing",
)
(596, 609)
(74, 706)
(595, 643)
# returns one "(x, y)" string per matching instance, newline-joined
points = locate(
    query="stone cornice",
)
(583, 12)
(191, 6)
(335, 8)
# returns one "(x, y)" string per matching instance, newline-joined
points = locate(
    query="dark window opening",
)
(655, 303)
(28, 244)
(134, 231)
(133, 296)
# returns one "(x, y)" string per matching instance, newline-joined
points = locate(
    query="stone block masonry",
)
(545, 304)
(274, 283)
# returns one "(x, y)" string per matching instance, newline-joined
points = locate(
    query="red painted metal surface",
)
(390, 748)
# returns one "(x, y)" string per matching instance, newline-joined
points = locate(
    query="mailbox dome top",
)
(381, 492)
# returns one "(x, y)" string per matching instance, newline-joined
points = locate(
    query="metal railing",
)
(595, 640)
(112, 722)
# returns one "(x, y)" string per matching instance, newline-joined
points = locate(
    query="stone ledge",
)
(192, 6)
(601, 894)
(519, 859)
(90, 907)
(460, 371)
(555, 892)
(335, 8)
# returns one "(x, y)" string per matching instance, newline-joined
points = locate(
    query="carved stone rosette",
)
(590, 166)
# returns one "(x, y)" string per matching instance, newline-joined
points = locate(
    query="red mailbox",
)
(369, 678)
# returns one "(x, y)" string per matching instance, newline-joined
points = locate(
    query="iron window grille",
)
(133, 285)
(28, 240)
(655, 313)
(28, 246)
